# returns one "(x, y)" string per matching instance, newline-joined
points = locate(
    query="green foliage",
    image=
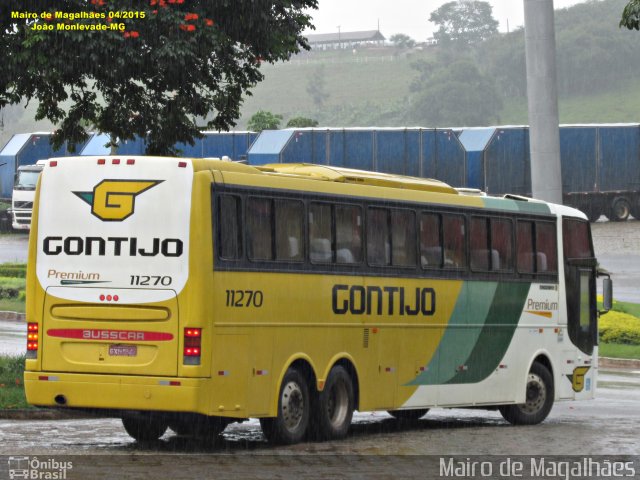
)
(182, 62)
(11, 382)
(400, 40)
(620, 328)
(263, 120)
(15, 270)
(631, 15)
(454, 95)
(317, 86)
(463, 23)
(301, 122)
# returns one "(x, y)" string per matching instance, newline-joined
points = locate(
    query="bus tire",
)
(408, 415)
(144, 428)
(335, 405)
(290, 426)
(539, 398)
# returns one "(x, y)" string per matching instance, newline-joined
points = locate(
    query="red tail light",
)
(32, 340)
(192, 346)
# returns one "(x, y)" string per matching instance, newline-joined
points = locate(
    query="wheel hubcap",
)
(292, 402)
(536, 394)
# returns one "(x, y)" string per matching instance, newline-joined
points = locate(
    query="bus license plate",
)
(123, 350)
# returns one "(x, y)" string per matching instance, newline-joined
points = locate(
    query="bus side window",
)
(546, 245)
(430, 241)
(378, 229)
(479, 244)
(229, 214)
(501, 244)
(403, 238)
(320, 233)
(259, 228)
(524, 244)
(348, 234)
(454, 241)
(289, 230)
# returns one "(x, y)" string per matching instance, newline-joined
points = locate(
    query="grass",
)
(12, 277)
(616, 350)
(11, 382)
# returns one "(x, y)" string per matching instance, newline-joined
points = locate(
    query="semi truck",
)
(24, 190)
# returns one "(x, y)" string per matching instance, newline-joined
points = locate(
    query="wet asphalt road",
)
(377, 443)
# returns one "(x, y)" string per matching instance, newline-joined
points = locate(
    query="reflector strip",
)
(223, 373)
(169, 383)
(262, 372)
(99, 334)
(390, 369)
(48, 378)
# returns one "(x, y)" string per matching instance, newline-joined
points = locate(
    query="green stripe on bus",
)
(496, 335)
(461, 334)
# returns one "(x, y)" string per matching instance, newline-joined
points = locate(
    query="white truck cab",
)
(24, 189)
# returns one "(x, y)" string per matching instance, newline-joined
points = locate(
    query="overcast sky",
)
(410, 17)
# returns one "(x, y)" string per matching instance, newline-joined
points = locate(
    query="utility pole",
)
(542, 96)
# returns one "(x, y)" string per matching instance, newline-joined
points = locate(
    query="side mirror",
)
(607, 294)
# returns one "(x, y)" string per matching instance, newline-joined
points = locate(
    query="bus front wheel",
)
(290, 426)
(144, 428)
(334, 412)
(538, 400)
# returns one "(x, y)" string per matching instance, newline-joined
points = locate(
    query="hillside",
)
(598, 78)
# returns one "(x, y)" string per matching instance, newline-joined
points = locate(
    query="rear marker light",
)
(101, 161)
(182, 164)
(115, 161)
(32, 340)
(192, 346)
(131, 161)
(53, 163)
(109, 298)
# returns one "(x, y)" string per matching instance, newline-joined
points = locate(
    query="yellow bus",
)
(192, 293)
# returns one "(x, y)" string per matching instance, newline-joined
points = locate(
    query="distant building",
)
(324, 41)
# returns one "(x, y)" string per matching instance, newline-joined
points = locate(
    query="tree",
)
(465, 22)
(631, 15)
(263, 120)
(156, 75)
(454, 95)
(317, 86)
(301, 122)
(400, 40)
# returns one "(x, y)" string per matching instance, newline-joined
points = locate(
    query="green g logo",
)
(114, 200)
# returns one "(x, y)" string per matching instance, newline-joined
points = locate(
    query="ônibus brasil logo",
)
(114, 200)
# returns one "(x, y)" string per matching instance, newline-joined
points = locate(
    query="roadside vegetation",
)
(11, 382)
(12, 287)
(620, 331)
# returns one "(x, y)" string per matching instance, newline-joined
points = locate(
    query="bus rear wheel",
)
(538, 400)
(144, 428)
(335, 406)
(290, 426)
(408, 415)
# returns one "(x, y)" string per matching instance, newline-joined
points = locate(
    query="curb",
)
(42, 414)
(12, 316)
(622, 363)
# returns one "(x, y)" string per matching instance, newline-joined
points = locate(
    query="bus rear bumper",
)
(117, 392)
